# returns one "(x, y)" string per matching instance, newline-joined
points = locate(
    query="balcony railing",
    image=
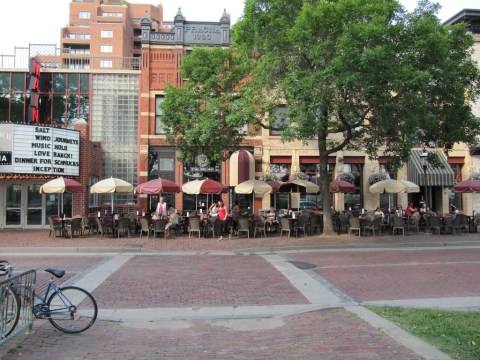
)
(52, 57)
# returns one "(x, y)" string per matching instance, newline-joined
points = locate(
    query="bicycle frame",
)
(44, 298)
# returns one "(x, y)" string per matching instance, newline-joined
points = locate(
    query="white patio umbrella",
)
(393, 186)
(111, 186)
(253, 187)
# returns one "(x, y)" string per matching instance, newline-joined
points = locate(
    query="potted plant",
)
(376, 177)
(298, 176)
(269, 177)
(348, 177)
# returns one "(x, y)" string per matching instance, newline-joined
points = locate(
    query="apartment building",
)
(106, 30)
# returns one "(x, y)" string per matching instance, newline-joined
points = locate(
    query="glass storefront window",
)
(72, 83)
(84, 83)
(202, 169)
(17, 107)
(354, 200)
(4, 82)
(4, 104)
(59, 112)
(18, 82)
(59, 82)
(388, 201)
(454, 198)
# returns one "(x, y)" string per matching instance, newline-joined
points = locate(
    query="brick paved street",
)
(329, 334)
(151, 300)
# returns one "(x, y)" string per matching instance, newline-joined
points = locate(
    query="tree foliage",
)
(362, 74)
(208, 115)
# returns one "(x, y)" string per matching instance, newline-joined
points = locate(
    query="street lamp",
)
(424, 160)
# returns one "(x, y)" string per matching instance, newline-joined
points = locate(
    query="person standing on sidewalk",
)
(222, 218)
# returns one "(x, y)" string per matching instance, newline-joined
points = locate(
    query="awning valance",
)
(435, 176)
(242, 167)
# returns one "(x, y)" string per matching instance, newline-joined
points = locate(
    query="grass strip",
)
(456, 333)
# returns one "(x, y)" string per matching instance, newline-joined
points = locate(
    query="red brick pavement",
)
(399, 275)
(39, 238)
(72, 264)
(328, 334)
(201, 280)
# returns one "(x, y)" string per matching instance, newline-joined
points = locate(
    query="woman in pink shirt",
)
(222, 218)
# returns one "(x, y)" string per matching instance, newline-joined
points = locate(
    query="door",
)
(23, 205)
(34, 205)
(13, 205)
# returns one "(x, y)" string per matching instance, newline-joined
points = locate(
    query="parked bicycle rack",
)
(24, 286)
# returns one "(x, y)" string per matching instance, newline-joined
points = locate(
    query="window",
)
(280, 120)
(79, 36)
(388, 201)
(112, 14)
(158, 115)
(354, 200)
(201, 169)
(84, 15)
(106, 63)
(106, 33)
(106, 48)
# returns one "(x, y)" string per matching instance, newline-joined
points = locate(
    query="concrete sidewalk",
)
(21, 240)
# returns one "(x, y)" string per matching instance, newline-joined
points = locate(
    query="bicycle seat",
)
(56, 272)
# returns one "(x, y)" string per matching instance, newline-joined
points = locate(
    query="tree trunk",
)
(327, 214)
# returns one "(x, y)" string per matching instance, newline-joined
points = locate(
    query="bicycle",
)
(10, 307)
(69, 309)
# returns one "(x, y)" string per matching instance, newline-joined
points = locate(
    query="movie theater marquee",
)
(26, 149)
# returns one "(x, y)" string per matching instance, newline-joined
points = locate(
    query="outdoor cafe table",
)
(65, 221)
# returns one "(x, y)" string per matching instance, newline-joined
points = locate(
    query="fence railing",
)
(50, 56)
(23, 288)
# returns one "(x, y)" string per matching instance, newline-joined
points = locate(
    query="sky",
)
(43, 23)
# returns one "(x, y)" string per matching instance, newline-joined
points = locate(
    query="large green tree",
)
(207, 116)
(360, 74)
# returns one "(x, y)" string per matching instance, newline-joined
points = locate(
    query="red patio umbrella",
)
(206, 186)
(341, 186)
(275, 185)
(467, 186)
(60, 186)
(157, 186)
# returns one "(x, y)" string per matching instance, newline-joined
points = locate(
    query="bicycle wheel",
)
(10, 304)
(72, 309)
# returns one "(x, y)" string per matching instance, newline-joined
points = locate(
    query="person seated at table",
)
(270, 219)
(409, 209)
(161, 209)
(379, 212)
(173, 219)
(415, 214)
(400, 212)
(281, 214)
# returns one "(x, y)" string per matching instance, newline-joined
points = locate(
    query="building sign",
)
(26, 149)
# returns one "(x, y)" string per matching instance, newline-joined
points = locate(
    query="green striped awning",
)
(435, 176)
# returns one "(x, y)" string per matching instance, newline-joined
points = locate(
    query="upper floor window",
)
(158, 114)
(106, 48)
(113, 14)
(79, 36)
(106, 63)
(84, 15)
(279, 119)
(106, 33)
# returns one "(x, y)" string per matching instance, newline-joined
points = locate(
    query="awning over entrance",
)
(435, 176)
(242, 167)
